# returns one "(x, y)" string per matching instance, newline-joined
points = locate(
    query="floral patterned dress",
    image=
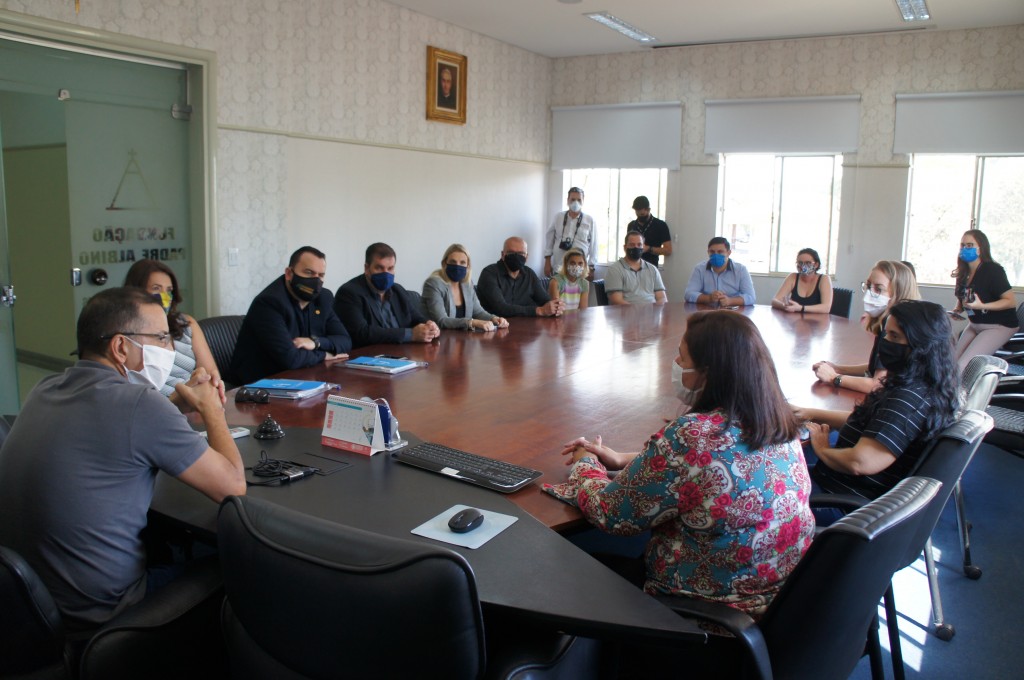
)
(727, 524)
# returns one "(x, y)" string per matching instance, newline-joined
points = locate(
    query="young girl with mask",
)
(449, 297)
(881, 440)
(805, 291)
(191, 350)
(570, 283)
(983, 290)
(888, 283)
(723, 489)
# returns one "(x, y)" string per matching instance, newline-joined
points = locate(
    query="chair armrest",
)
(743, 627)
(1009, 400)
(175, 629)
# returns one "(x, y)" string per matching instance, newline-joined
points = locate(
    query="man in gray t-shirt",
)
(631, 280)
(77, 469)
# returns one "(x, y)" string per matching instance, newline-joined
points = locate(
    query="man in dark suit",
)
(376, 309)
(291, 324)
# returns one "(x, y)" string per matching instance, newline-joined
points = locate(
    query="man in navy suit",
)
(376, 309)
(291, 324)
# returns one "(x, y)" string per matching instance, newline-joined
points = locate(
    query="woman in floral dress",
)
(723, 489)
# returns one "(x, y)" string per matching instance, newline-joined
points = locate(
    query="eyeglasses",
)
(162, 337)
(875, 289)
(257, 396)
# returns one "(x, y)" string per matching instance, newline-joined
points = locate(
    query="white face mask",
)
(575, 206)
(156, 366)
(576, 271)
(874, 305)
(685, 394)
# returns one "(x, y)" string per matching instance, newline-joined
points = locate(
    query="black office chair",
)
(600, 296)
(1013, 353)
(815, 627)
(221, 335)
(842, 301)
(171, 634)
(331, 601)
(6, 423)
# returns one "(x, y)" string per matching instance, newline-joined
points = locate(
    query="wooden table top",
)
(518, 394)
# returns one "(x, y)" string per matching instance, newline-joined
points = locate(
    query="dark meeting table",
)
(518, 394)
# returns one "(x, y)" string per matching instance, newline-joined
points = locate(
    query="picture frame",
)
(446, 86)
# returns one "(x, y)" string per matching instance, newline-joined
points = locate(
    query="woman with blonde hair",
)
(889, 283)
(450, 299)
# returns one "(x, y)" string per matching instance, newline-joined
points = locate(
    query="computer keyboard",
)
(468, 467)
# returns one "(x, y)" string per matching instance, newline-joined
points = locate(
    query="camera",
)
(566, 244)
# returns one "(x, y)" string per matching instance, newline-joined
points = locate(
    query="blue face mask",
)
(455, 272)
(968, 254)
(382, 281)
(716, 260)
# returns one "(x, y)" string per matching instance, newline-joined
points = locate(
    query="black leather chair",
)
(1013, 351)
(171, 634)
(308, 598)
(842, 301)
(221, 335)
(815, 627)
(600, 296)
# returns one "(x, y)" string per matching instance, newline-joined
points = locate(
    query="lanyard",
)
(565, 218)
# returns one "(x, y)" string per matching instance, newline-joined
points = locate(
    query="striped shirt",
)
(898, 424)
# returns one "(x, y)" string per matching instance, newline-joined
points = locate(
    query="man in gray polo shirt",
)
(631, 280)
(77, 469)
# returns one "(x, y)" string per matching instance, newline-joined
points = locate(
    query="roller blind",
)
(646, 135)
(960, 122)
(788, 125)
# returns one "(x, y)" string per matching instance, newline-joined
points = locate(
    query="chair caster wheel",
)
(944, 632)
(972, 572)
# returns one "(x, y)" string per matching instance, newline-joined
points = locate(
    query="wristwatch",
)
(316, 342)
(837, 381)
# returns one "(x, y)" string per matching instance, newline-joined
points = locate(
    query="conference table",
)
(518, 394)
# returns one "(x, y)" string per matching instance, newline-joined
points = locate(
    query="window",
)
(608, 198)
(770, 207)
(951, 193)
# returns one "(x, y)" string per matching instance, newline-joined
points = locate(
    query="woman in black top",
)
(805, 290)
(983, 290)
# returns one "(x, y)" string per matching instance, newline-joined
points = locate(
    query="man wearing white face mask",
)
(77, 469)
(570, 229)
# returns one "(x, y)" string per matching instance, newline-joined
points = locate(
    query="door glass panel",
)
(9, 402)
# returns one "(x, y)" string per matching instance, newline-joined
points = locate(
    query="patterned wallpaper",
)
(876, 67)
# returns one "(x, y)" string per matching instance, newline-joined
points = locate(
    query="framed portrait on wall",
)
(446, 86)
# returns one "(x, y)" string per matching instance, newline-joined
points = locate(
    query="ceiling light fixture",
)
(628, 30)
(913, 10)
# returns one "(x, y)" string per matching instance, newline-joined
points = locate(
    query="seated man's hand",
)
(202, 396)
(334, 358)
(550, 308)
(303, 343)
(425, 332)
(719, 297)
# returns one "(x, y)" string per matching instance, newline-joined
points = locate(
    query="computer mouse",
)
(465, 520)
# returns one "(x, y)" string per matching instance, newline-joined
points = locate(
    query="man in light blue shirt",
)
(719, 280)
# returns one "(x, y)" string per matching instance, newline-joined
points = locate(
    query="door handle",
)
(7, 296)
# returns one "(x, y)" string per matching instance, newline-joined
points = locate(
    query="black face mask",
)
(306, 288)
(514, 261)
(634, 253)
(892, 356)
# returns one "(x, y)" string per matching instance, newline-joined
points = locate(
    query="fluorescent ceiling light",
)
(627, 30)
(913, 10)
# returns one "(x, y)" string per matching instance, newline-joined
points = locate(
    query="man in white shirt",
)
(570, 229)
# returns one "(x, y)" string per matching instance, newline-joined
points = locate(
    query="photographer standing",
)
(570, 229)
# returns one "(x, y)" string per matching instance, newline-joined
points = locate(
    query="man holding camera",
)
(570, 229)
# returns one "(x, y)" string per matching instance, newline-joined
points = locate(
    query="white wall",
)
(343, 197)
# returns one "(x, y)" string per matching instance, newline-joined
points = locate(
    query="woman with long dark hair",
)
(723, 489)
(191, 350)
(882, 439)
(983, 290)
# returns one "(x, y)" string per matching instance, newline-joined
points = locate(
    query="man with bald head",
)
(510, 288)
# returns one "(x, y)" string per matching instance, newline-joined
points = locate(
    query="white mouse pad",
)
(437, 528)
